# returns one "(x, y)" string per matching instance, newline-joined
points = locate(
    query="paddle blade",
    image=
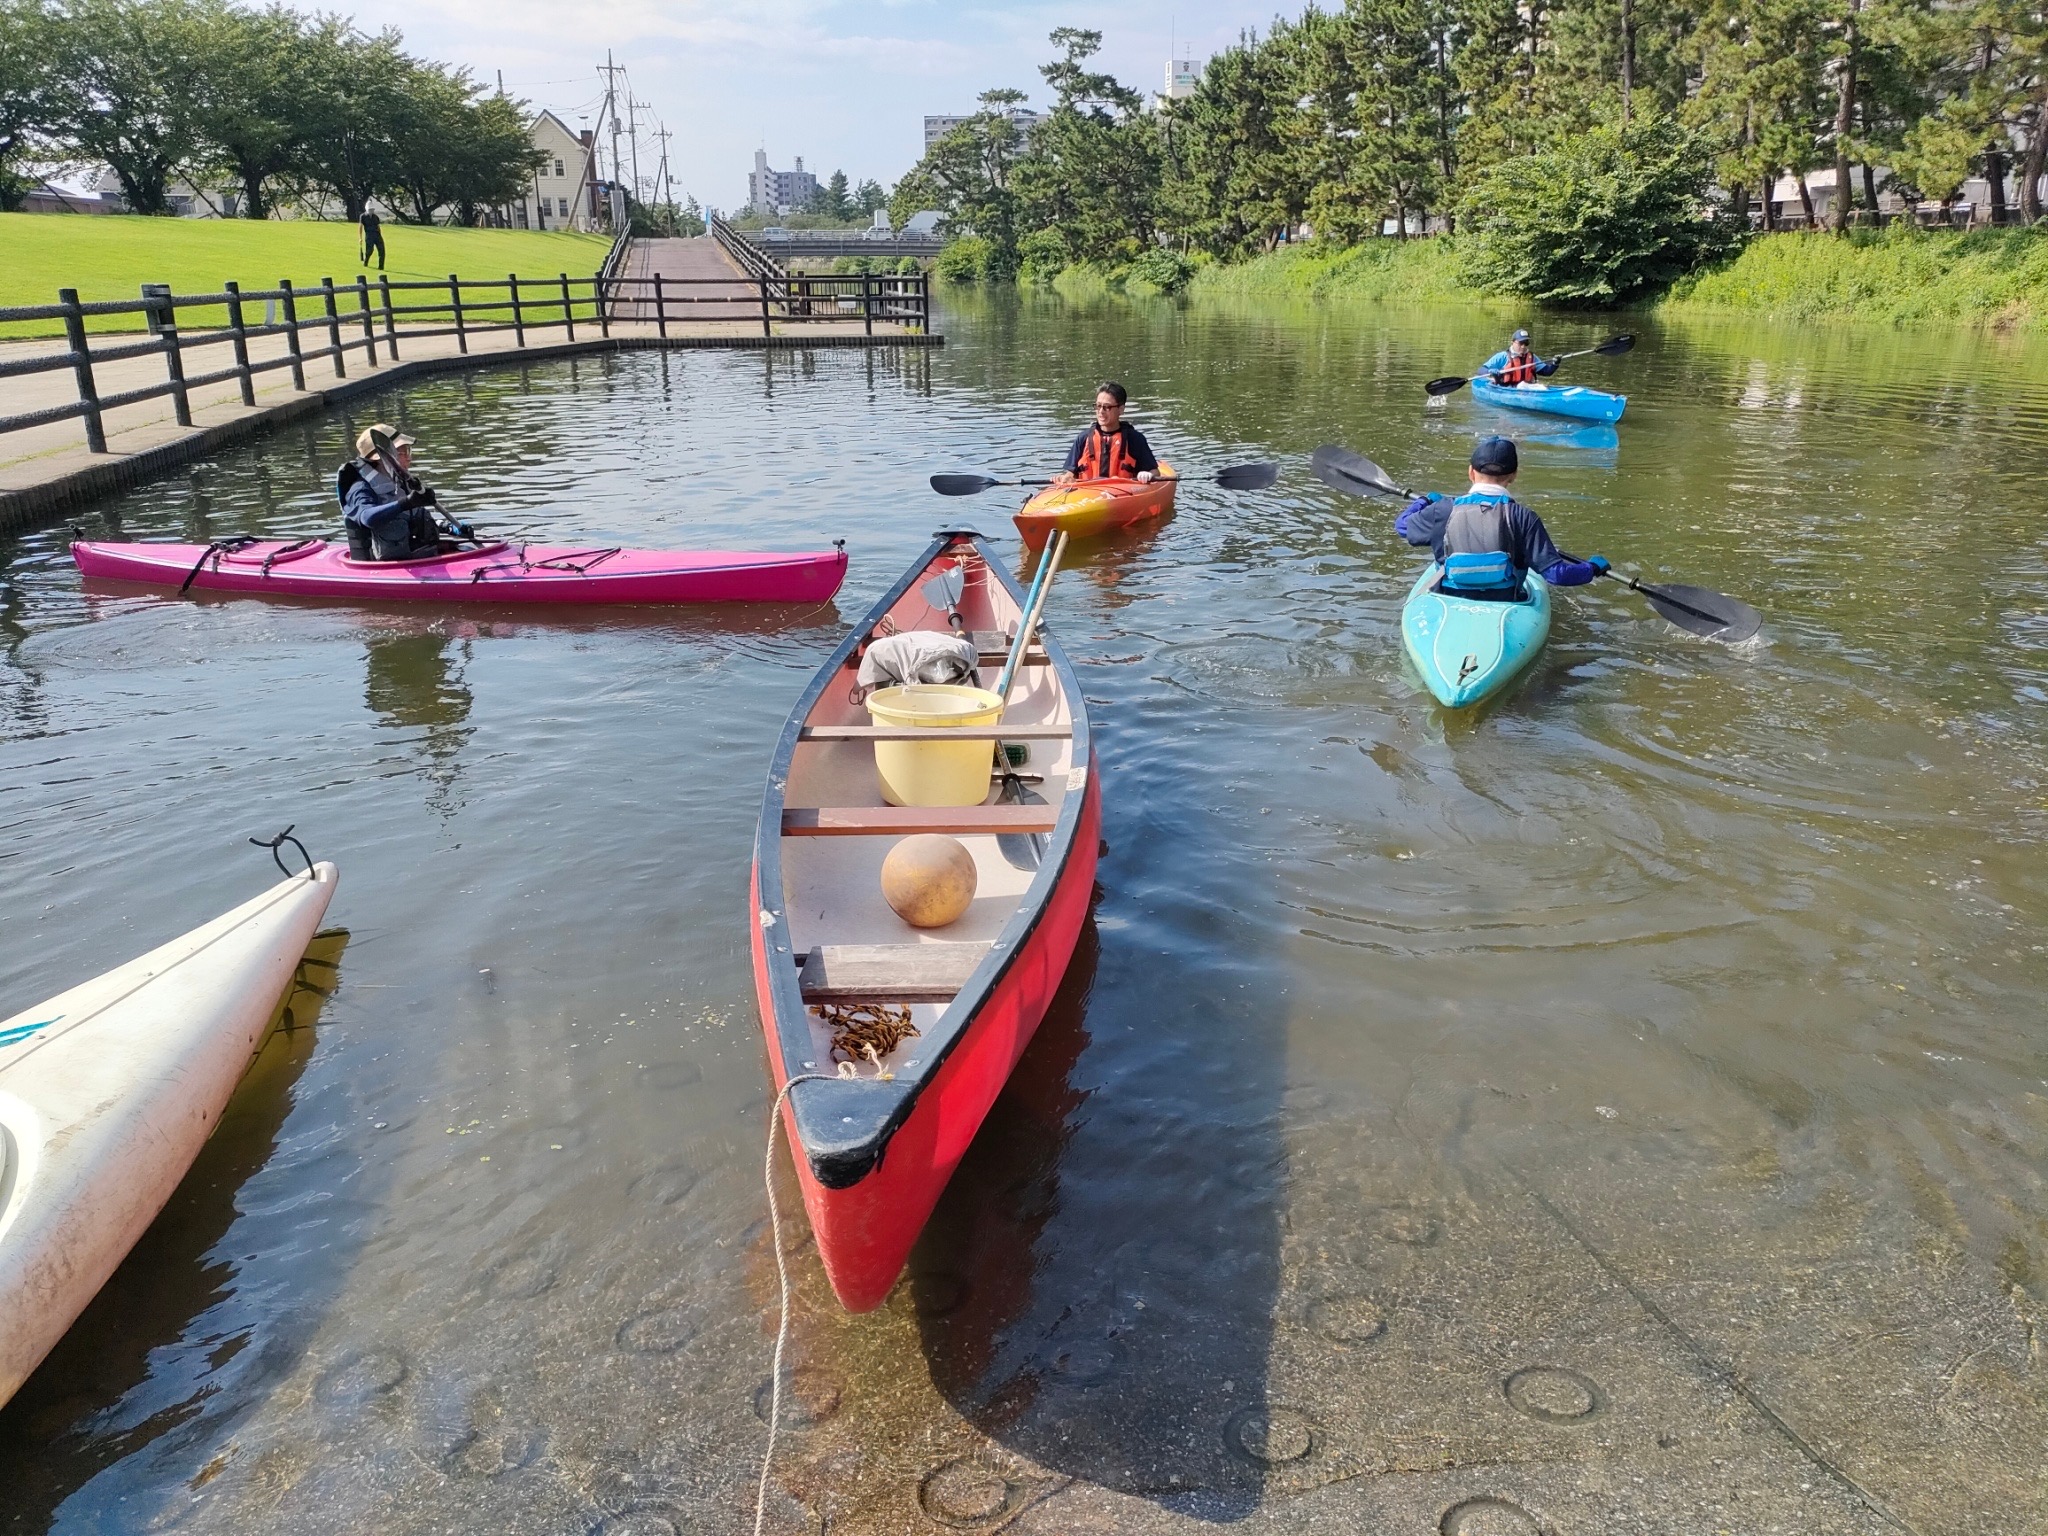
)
(1350, 472)
(962, 485)
(1614, 348)
(1248, 477)
(944, 591)
(1714, 615)
(1446, 386)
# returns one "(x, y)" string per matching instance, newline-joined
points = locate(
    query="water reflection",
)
(417, 685)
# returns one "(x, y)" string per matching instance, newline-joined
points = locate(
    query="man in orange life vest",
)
(1112, 449)
(1518, 365)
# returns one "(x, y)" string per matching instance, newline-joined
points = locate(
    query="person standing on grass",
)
(373, 238)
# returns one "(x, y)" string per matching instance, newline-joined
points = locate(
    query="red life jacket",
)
(1106, 456)
(1519, 370)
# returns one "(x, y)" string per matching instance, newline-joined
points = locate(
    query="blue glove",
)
(1599, 564)
(1417, 504)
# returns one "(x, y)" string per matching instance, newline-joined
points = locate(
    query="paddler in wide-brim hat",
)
(387, 511)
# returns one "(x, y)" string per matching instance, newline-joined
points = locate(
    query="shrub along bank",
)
(1899, 276)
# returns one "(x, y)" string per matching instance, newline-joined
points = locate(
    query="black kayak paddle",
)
(1614, 346)
(1697, 610)
(1238, 477)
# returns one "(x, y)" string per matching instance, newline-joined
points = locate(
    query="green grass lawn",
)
(111, 256)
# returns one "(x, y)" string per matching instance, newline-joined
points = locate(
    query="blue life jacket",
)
(1478, 556)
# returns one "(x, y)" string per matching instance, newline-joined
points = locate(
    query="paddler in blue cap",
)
(1486, 541)
(1517, 365)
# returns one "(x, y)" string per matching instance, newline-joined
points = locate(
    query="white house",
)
(564, 191)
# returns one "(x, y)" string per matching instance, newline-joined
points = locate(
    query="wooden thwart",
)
(935, 733)
(901, 820)
(897, 973)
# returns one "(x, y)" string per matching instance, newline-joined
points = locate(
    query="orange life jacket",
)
(1519, 370)
(1106, 456)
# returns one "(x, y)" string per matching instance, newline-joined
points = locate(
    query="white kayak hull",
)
(107, 1093)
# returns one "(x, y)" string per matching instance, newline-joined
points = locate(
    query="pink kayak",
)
(493, 573)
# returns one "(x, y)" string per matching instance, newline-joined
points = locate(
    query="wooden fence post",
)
(369, 320)
(163, 319)
(333, 328)
(81, 367)
(234, 291)
(455, 299)
(867, 302)
(518, 316)
(660, 307)
(390, 319)
(601, 289)
(291, 333)
(568, 314)
(766, 330)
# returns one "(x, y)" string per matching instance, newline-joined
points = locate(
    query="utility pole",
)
(633, 132)
(611, 72)
(664, 193)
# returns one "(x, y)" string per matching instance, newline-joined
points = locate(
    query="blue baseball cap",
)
(1496, 456)
(1519, 336)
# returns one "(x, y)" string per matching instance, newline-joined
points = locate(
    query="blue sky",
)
(843, 85)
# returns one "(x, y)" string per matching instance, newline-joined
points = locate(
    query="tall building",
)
(772, 192)
(936, 128)
(1182, 76)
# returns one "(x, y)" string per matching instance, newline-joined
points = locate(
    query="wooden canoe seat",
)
(895, 973)
(994, 646)
(902, 820)
(922, 733)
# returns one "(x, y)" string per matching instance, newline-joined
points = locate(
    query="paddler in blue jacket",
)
(1517, 365)
(1486, 541)
(387, 511)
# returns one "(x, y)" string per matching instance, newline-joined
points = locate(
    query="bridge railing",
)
(344, 319)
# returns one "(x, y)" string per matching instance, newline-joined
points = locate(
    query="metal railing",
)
(362, 318)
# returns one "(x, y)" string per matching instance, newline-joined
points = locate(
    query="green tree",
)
(1241, 150)
(1373, 71)
(1608, 216)
(869, 197)
(248, 89)
(967, 177)
(354, 89)
(131, 64)
(1094, 167)
(35, 96)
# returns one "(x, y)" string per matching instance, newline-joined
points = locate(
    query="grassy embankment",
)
(111, 256)
(1984, 278)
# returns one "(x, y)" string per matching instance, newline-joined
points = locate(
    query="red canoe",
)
(873, 1152)
(494, 573)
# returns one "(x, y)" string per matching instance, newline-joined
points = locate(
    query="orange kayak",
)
(1089, 507)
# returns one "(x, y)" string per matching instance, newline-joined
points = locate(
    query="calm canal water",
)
(1623, 1110)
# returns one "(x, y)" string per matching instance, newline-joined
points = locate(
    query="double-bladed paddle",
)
(1238, 477)
(1614, 346)
(1697, 610)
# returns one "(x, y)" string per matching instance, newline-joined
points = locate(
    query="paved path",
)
(707, 284)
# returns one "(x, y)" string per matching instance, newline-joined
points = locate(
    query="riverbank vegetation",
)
(294, 110)
(1589, 151)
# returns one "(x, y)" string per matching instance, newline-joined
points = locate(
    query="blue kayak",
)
(1468, 648)
(1552, 399)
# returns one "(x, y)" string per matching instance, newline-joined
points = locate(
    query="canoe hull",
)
(1467, 650)
(495, 574)
(865, 1231)
(107, 1093)
(1093, 507)
(875, 1141)
(1574, 400)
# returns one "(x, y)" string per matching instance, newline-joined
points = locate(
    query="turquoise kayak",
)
(1468, 648)
(1552, 399)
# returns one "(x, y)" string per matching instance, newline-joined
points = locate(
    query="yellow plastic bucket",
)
(938, 772)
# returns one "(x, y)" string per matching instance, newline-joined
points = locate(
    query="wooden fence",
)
(360, 317)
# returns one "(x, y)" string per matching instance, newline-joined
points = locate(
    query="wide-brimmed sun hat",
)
(366, 440)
